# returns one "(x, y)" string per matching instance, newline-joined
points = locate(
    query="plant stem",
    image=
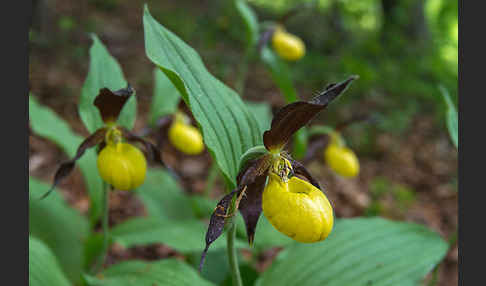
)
(232, 255)
(104, 226)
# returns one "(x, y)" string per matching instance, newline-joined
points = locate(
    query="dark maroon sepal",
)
(294, 116)
(67, 167)
(110, 103)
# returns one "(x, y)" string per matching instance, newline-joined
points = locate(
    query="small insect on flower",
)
(269, 180)
(120, 164)
(288, 46)
(185, 137)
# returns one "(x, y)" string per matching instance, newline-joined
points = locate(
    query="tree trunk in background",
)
(404, 19)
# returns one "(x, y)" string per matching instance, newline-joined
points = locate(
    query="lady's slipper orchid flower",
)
(120, 164)
(269, 180)
(185, 137)
(288, 46)
(340, 158)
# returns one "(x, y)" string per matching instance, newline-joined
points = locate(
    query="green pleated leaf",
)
(452, 122)
(202, 206)
(165, 99)
(280, 74)
(163, 197)
(216, 267)
(44, 269)
(251, 22)
(181, 235)
(266, 236)
(167, 272)
(104, 71)
(360, 252)
(228, 128)
(47, 124)
(60, 227)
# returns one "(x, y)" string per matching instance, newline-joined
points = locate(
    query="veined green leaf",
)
(262, 112)
(44, 269)
(228, 128)
(182, 235)
(167, 272)
(360, 251)
(165, 99)
(104, 71)
(49, 125)
(163, 197)
(61, 228)
(266, 236)
(251, 21)
(452, 122)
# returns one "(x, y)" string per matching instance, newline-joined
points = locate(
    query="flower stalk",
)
(104, 227)
(232, 255)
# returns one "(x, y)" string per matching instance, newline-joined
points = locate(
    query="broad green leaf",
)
(216, 267)
(360, 252)
(452, 122)
(163, 197)
(93, 248)
(44, 269)
(266, 236)
(182, 235)
(49, 125)
(165, 99)
(263, 114)
(61, 228)
(167, 272)
(280, 74)
(250, 20)
(104, 71)
(202, 206)
(228, 128)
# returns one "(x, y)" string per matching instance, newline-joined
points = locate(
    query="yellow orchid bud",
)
(122, 165)
(296, 208)
(186, 138)
(288, 46)
(341, 160)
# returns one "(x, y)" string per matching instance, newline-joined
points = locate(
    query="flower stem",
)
(232, 255)
(104, 226)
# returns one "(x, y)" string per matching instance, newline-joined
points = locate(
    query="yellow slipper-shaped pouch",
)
(122, 165)
(297, 209)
